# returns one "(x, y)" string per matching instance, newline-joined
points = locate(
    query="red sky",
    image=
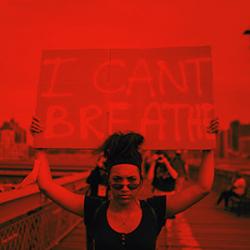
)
(28, 27)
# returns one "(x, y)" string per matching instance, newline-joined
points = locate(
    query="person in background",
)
(237, 189)
(162, 174)
(147, 158)
(98, 179)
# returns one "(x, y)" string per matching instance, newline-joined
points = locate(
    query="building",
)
(235, 141)
(12, 141)
(244, 140)
(20, 133)
(234, 128)
(223, 144)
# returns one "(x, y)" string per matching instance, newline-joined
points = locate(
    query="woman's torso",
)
(143, 237)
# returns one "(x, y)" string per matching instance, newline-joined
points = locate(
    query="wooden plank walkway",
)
(204, 226)
(76, 240)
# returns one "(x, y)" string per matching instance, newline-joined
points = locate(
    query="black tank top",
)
(143, 237)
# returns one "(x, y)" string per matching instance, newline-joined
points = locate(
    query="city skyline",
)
(28, 28)
(234, 140)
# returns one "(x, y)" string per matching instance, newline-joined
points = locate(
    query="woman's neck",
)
(116, 206)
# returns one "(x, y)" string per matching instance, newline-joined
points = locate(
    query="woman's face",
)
(124, 181)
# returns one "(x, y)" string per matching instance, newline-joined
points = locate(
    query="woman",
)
(162, 174)
(124, 221)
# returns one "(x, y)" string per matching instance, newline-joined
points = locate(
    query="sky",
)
(29, 27)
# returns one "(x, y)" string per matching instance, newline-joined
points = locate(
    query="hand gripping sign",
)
(165, 94)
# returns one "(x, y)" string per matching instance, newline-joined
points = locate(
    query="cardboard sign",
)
(165, 94)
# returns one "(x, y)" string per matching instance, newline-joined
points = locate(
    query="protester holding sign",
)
(124, 220)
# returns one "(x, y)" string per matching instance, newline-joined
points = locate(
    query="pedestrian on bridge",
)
(237, 189)
(124, 221)
(162, 174)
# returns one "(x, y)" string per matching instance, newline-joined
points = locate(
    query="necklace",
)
(124, 222)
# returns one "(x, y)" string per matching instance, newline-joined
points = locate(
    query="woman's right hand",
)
(44, 177)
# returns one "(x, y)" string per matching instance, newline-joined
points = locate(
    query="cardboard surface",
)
(165, 94)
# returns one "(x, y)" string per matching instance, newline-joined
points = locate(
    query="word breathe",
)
(156, 117)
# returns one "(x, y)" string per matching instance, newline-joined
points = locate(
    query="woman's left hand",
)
(213, 127)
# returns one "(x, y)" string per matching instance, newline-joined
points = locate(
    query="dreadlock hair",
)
(122, 148)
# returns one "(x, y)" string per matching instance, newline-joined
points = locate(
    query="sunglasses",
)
(131, 186)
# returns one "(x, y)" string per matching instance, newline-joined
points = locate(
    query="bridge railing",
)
(29, 220)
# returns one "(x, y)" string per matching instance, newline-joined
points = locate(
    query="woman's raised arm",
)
(199, 189)
(60, 195)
